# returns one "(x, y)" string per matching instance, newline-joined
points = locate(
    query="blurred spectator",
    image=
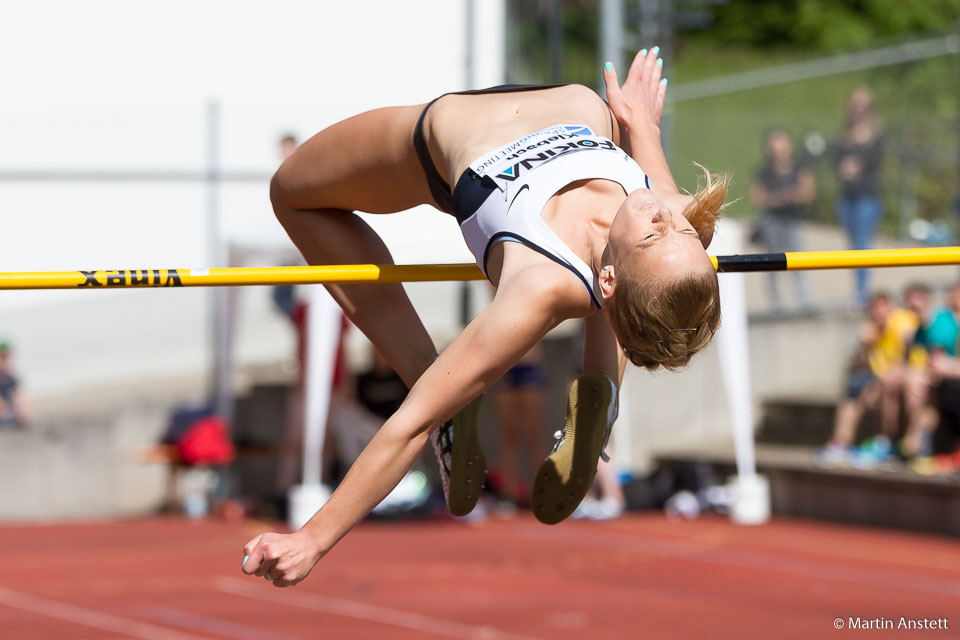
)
(875, 375)
(358, 408)
(953, 301)
(13, 406)
(379, 389)
(937, 332)
(781, 190)
(858, 157)
(295, 309)
(944, 371)
(945, 374)
(518, 399)
(288, 144)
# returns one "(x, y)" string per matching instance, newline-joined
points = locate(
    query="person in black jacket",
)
(858, 156)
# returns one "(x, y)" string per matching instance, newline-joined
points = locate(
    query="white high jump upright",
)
(323, 332)
(750, 500)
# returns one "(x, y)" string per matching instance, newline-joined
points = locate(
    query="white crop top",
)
(500, 197)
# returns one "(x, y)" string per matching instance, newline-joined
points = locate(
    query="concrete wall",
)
(82, 467)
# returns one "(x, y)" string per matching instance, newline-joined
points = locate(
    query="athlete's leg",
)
(365, 163)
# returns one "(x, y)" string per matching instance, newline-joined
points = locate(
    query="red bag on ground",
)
(205, 442)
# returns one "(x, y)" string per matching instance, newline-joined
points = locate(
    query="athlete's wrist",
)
(643, 131)
(318, 535)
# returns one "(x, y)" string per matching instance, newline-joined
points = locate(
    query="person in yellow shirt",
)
(874, 377)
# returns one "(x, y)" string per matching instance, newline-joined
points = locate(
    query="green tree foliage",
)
(833, 25)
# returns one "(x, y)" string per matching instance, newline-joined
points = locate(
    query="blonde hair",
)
(664, 323)
(707, 205)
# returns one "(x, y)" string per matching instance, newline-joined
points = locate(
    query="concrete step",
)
(893, 496)
(805, 422)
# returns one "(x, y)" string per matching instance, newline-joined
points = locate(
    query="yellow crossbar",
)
(356, 273)
(808, 260)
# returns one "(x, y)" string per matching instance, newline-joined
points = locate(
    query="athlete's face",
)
(652, 235)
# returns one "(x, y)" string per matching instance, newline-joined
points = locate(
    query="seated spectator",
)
(937, 332)
(953, 301)
(358, 408)
(880, 354)
(379, 389)
(939, 426)
(945, 375)
(13, 406)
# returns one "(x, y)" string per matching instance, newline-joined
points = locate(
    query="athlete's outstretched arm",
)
(638, 107)
(520, 314)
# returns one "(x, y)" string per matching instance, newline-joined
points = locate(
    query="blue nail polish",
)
(245, 558)
(659, 62)
(656, 50)
(643, 52)
(664, 82)
(608, 66)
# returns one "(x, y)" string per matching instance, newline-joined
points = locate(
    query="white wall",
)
(109, 84)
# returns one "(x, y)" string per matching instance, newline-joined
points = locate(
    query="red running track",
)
(639, 577)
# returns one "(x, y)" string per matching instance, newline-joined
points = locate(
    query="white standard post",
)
(750, 503)
(323, 331)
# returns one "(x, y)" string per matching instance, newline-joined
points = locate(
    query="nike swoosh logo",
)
(519, 191)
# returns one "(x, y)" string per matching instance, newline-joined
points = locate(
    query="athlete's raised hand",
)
(640, 100)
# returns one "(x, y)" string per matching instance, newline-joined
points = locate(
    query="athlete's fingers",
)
(248, 548)
(636, 67)
(661, 94)
(262, 558)
(655, 76)
(253, 554)
(652, 68)
(266, 566)
(614, 95)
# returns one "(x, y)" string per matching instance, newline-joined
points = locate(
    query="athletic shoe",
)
(943, 464)
(924, 465)
(566, 476)
(872, 453)
(832, 454)
(463, 467)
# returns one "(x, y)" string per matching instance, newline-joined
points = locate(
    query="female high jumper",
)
(568, 215)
